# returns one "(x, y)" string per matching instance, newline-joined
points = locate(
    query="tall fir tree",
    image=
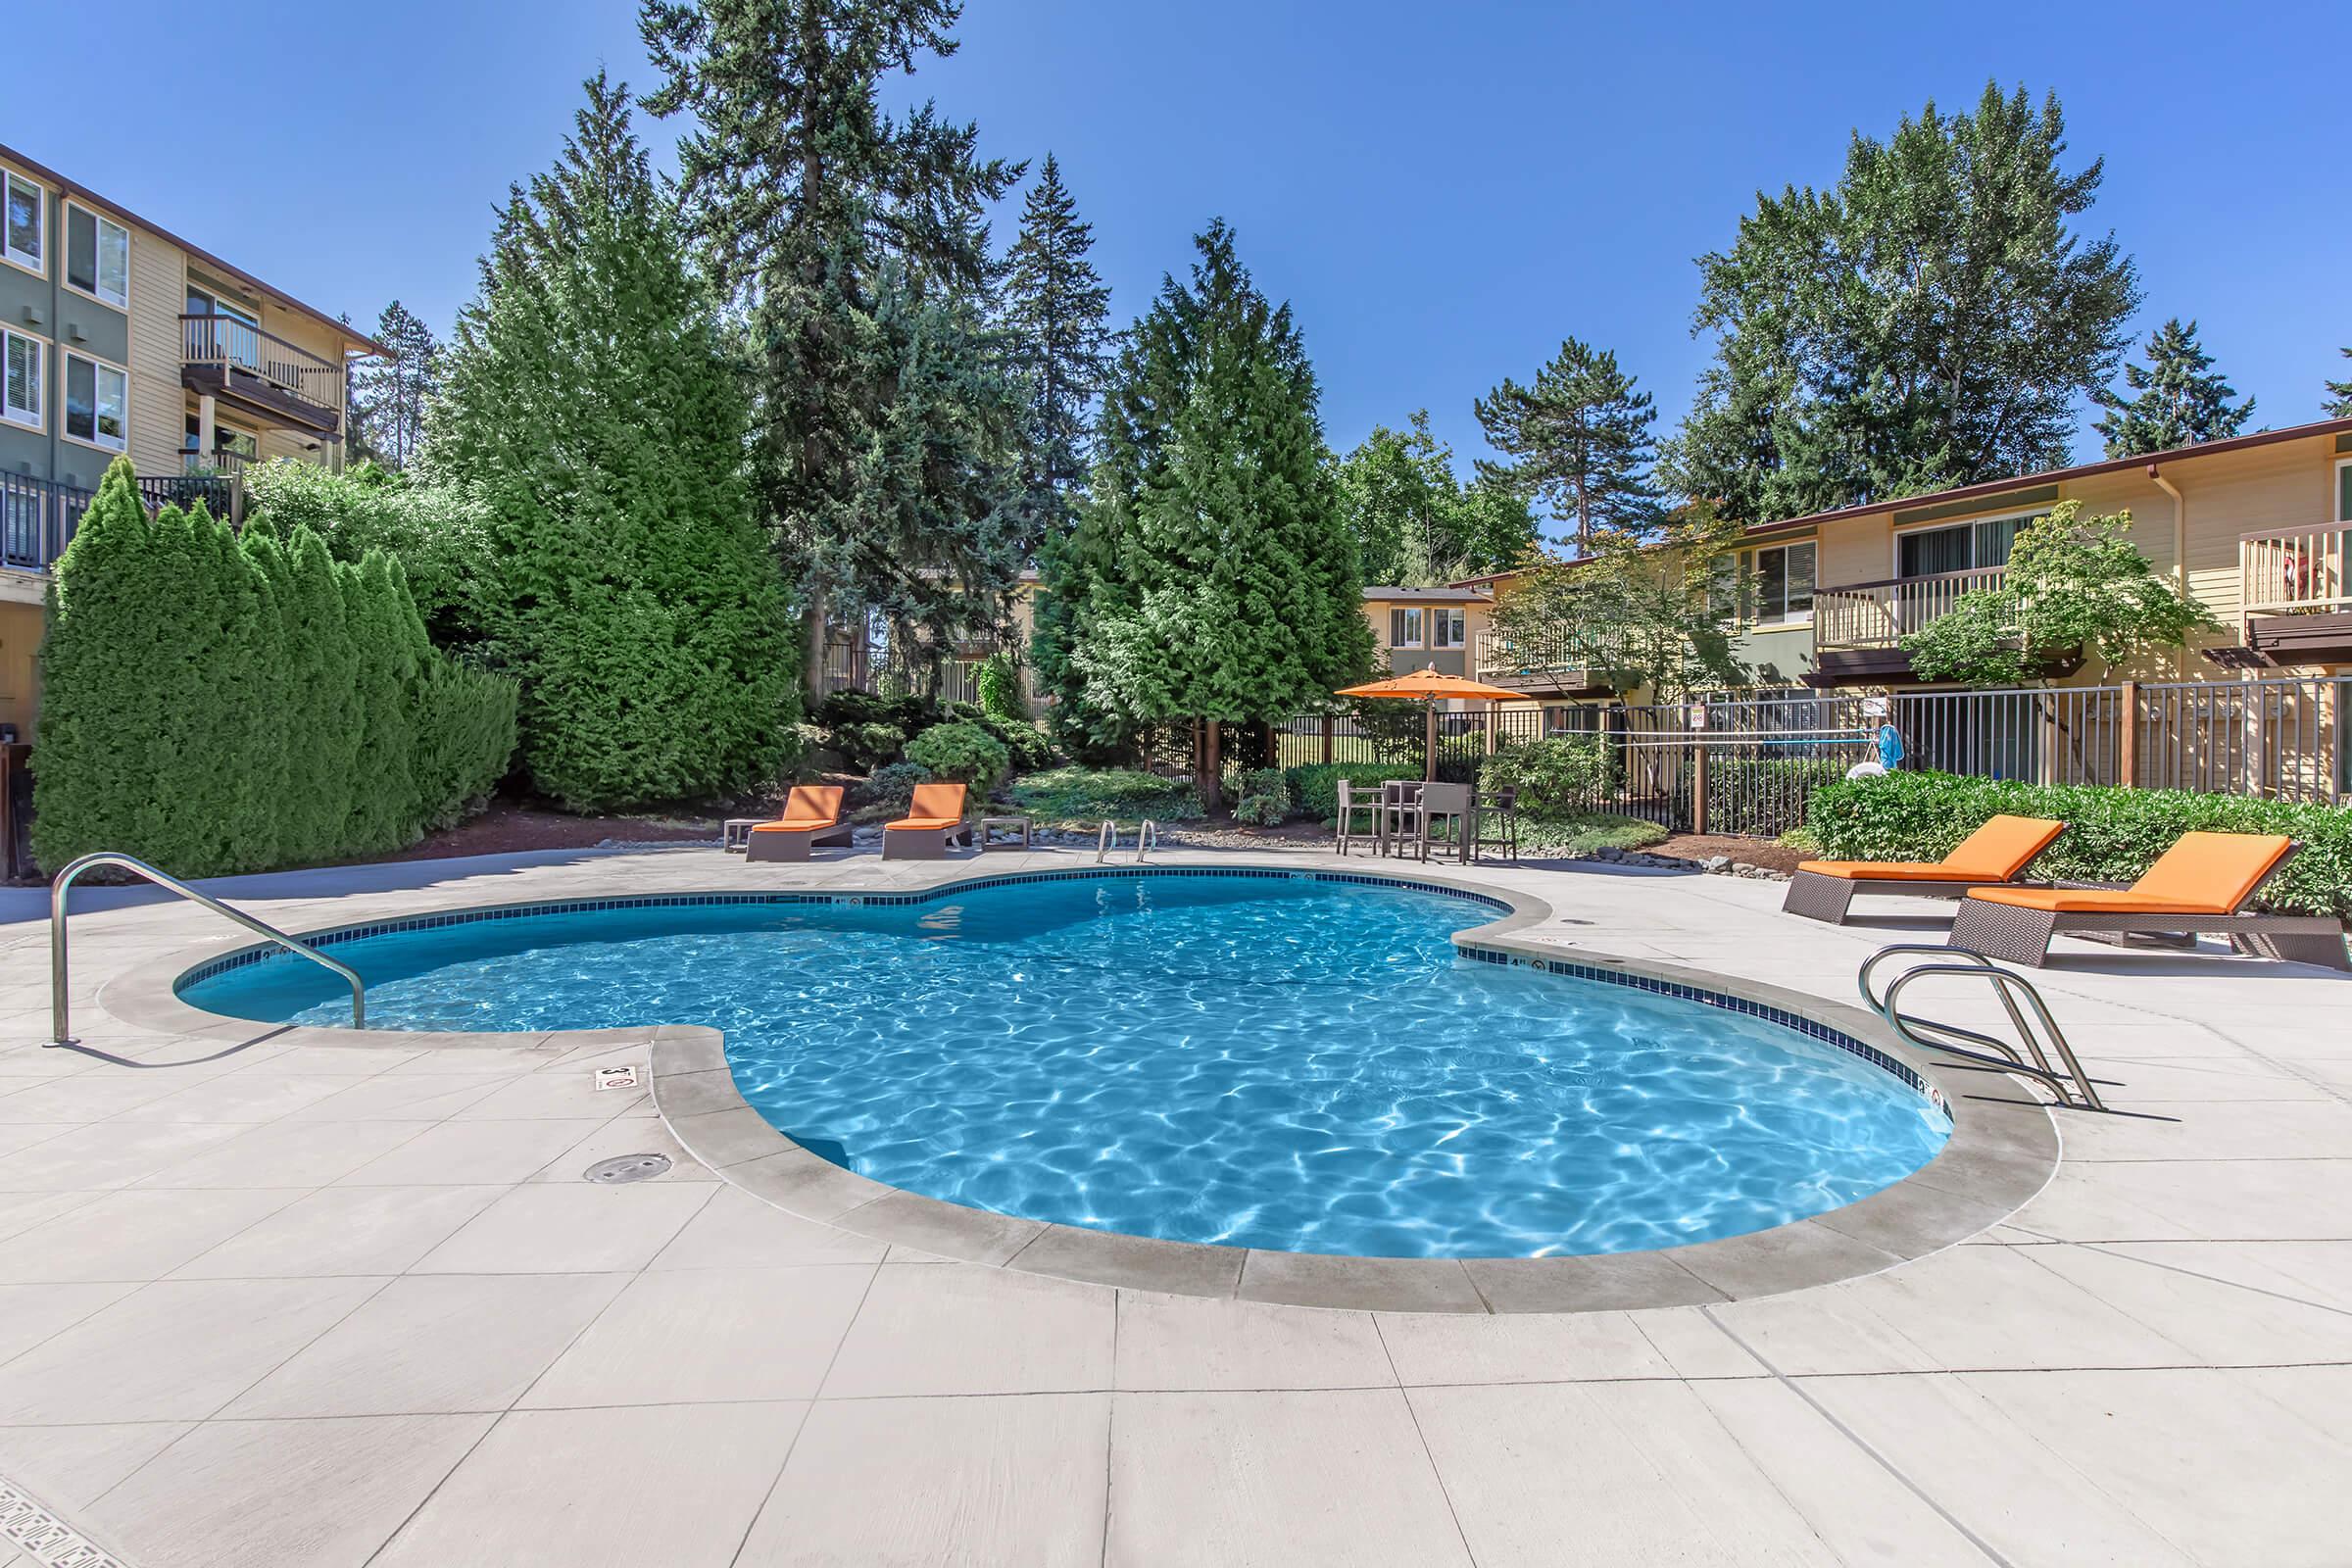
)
(1579, 441)
(1212, 576)
(2339, 395)
(2182, 401)
(595, 409)
(854, 247)
(388, 396)
(1930, 321)
(1056, 316)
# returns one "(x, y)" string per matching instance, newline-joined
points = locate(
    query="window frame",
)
(1751, 586)
(1894, 541)
(1402, 618)
(65, 372)
(38, 263)
(2344, 490)
(100, 224)
(40, 358)
(1444, 619)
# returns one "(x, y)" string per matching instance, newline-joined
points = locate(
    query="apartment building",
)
(120, 338)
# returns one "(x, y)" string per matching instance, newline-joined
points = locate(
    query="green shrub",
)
(964, 753)
(1087, 795)
(1265, 797)
(1315, 787)
(2112, 835)
(1584, 832)
(216, 704)
(1556, 779)
(892, 786)
(1260, 811)
(999, 684)
(438, 532)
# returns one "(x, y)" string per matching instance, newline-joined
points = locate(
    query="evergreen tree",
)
(1057, 309)
(388, 396)
(383, 803)
(593, 408)
(2339, 395)
(855, 246)
(1212, 576)
(1578, 440)
(1415, 524)
(2182, 400)
(1929, 321)
(107, 678)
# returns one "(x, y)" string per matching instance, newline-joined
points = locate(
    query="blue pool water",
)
(1269, 1062)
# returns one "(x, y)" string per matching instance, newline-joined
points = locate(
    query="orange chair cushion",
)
(1887, 871)
(2088, 901)
(2203, 873)
(797, 825)
(2213, 872)
(811, 804)
(934, 801)
(923, 822)
(2002, 847)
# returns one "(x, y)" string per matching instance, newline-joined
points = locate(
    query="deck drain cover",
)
(628, 1169)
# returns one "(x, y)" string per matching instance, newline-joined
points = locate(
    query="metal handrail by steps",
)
(2074, 1088)
(1147, 838)
(60, 1017)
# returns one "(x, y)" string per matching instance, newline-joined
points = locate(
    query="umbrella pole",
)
(1430, 770)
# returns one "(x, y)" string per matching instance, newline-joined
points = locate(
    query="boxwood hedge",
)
(2112, 835)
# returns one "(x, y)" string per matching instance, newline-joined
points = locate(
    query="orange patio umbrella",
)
(1428, 686)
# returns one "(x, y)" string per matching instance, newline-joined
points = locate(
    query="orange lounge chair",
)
(1996, 852)
(2202, 883)
(922, 834)
(811, 817)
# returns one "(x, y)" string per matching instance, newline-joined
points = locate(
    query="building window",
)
(2343, 491)
(97, 255)
(1781, 581)
(1404, 627)
(1962, 547)
(97, 403)
(25, 358)
(26, 223)
(1445, 629)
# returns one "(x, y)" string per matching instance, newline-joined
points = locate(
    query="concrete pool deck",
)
(274, 1302)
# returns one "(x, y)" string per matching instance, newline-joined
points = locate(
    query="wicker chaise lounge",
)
(923, 833)
(1995, 853)
(2203, 883)
(811, 817)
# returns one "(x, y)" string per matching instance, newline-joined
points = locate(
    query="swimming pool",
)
(1270, 1060)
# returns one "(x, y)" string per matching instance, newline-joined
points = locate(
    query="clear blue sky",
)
(1442, 190)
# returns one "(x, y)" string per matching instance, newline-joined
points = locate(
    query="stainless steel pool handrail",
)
(1106, 840)
(2074, 1087)
(1147, 838)
(59, 1014)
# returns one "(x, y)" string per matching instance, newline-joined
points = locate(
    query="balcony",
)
(1556, 661)
(261, 376)
(37, 519)
(2296, 595)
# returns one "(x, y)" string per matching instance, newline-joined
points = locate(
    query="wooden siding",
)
(159, 283)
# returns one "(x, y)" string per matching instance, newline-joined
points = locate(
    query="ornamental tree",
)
(2072, 583)
(1579, 441)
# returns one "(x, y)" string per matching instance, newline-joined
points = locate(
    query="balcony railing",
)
(238, 349)
(1565, 652)
(2294, 570)
(1880, 615)
(37, 519)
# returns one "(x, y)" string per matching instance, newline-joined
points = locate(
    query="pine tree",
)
(855, 246)
(1578, 440)
(1212, 576)
(1930, 320)
(1057, 311)
(2182, 402)
(593, 407)
(388, 396)
(2339, 395)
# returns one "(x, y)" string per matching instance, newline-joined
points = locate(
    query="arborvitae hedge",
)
(216, 704)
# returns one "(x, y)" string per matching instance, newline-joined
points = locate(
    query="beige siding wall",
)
(20, 683)
(159, 283)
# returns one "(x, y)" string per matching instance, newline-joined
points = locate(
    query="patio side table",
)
(735, 833)
(989, 824)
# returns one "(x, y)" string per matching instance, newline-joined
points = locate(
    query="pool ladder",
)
(1106, 840)
(61, 1021)
(2075, 1089)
